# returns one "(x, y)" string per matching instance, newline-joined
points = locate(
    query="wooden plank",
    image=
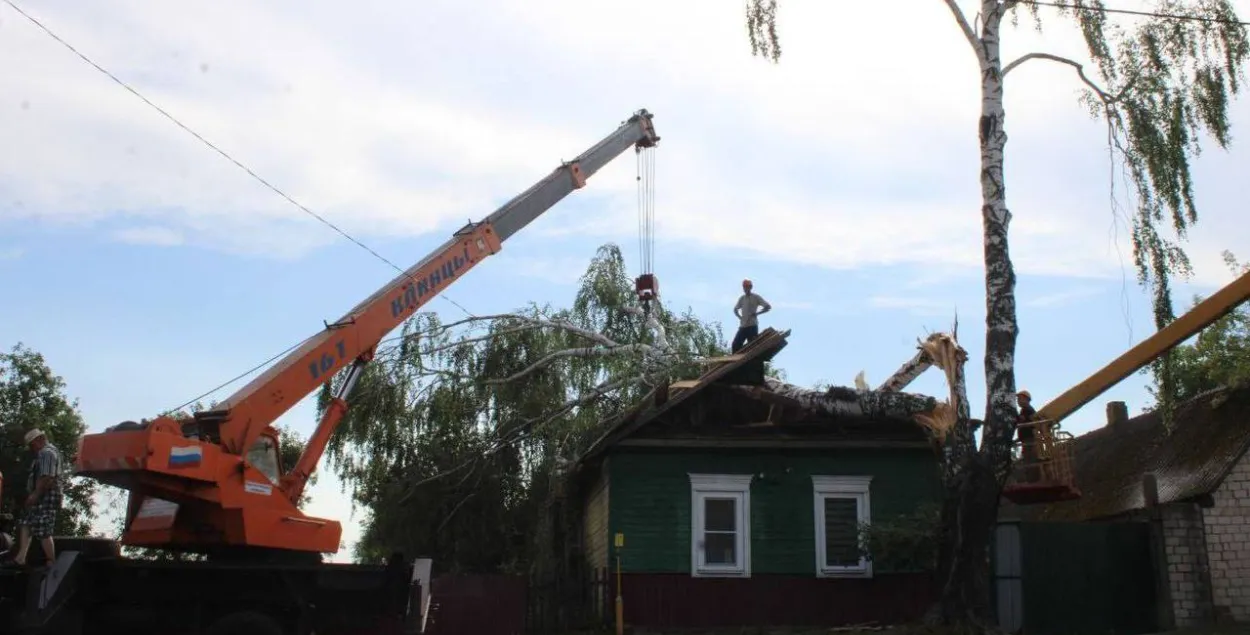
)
(724, 359)
(685, 383)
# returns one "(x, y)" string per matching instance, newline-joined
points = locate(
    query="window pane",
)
(263, 455)
(719, 548)
(719, 514)
(841, 532)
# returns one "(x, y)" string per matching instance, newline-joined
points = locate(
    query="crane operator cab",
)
(265, 455)
(1042, 455)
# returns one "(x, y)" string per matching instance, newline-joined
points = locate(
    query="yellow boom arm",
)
(1182, 328)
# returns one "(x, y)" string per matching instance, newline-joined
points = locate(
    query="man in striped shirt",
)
(44, 501)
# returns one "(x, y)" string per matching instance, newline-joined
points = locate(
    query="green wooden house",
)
(740, 505)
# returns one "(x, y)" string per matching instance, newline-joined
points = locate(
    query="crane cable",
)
(646, 218)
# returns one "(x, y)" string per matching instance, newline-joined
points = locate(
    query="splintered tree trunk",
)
(974, 478)
(969, 510)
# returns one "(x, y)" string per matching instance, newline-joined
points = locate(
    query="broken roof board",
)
(762, 348)
(1211, 432)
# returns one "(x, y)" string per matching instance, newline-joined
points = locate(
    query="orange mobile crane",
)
(214, 484)
(1053, 479)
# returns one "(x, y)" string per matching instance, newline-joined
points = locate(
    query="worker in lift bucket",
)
(748, 307)
(1027, 435)
(43, 501)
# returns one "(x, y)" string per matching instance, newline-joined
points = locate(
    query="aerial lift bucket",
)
(1043, 467)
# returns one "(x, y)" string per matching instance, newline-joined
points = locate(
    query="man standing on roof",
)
(43, 502)
(748, 307)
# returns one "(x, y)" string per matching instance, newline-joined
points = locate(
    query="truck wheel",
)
(245, 623)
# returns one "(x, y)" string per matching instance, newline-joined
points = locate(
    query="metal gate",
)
(1075, 577)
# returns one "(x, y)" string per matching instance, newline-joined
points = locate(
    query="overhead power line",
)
(1147, 14)
(213, 146)
(237, 163)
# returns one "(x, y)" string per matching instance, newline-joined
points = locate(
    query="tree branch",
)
(1080, 71)
(537, 323)
(907, 373)
(653, 323)
(521, 431)
(482, 338)
(966, 28)
(468, 320)
(602, 390)
(584, 352)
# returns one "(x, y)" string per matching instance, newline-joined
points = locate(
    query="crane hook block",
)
(647, 287)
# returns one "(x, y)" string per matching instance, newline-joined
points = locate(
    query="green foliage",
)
(1161, 84)
(32, 396)
(762, 29)
(454, 433)
(290, 447)
(1219, 355)
(1165, 83)
(908, 542)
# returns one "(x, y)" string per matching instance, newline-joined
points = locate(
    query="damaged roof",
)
(1210, 433)
(660, 400)
(867, 420)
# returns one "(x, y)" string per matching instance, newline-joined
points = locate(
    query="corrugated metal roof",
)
(1209, 434)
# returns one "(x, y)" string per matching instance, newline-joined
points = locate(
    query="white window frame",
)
(854, 487)
(737, 487)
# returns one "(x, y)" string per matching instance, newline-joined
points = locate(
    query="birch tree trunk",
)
(974, 478)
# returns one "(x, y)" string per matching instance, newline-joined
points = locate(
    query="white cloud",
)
(150, 235)
(849, 164)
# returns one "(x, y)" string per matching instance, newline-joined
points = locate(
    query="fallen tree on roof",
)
(841, 401)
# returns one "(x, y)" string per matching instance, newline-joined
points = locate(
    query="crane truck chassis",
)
(91, 589)
(257, 566)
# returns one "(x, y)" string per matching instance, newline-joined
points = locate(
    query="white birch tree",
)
(1159, 83)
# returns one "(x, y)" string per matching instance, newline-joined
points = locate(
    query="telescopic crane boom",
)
(214, 483)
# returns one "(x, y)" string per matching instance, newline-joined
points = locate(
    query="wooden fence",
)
(510, 605)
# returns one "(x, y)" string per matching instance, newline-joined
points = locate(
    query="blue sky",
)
(843, 182)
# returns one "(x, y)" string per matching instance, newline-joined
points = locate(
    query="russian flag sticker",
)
(185, 456)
